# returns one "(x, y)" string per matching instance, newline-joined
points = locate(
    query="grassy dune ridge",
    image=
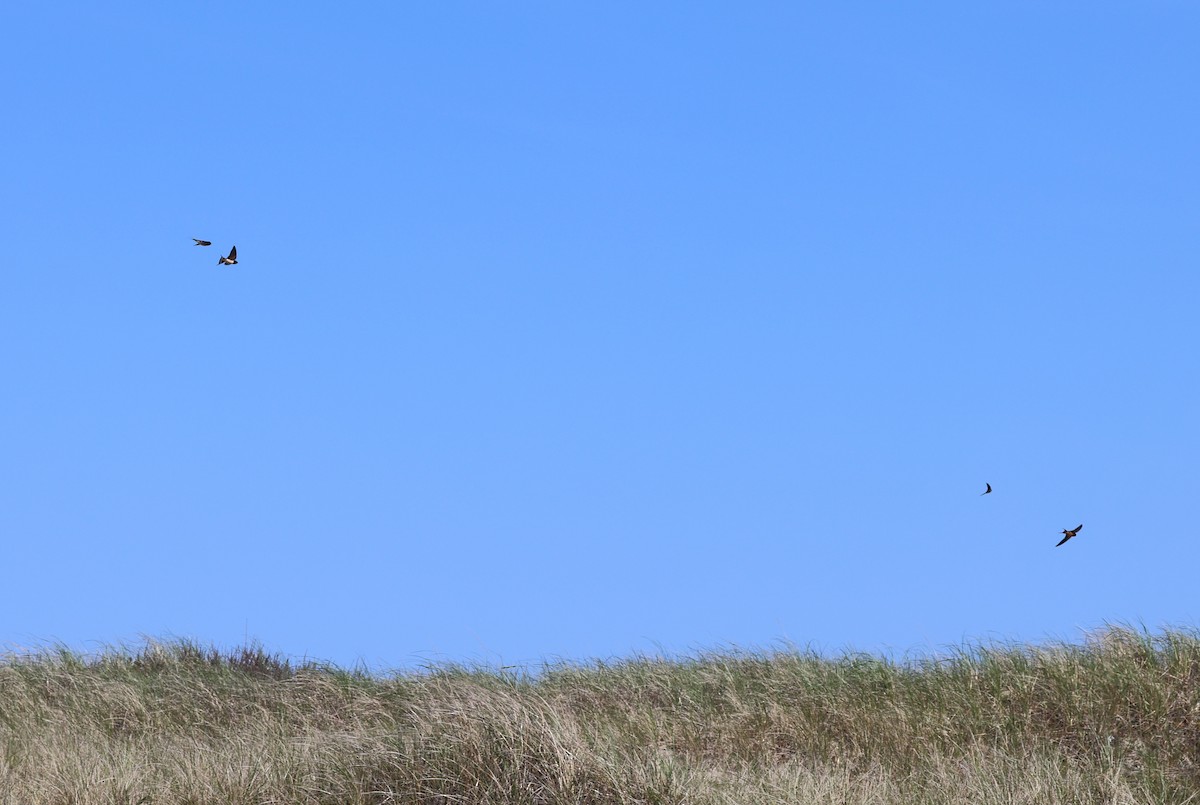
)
(1115, 719)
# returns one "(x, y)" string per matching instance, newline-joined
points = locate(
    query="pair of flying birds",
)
(231, 260)
(1067, 532)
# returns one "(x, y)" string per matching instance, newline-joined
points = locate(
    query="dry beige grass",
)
(1116, 720)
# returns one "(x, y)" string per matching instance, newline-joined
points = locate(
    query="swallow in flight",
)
(202, 242)
(1067, 534)
(988, 492)
(231, 260)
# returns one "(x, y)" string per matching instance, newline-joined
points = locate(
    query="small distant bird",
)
(202, 242)
(1068, 533)
(988, 492)
(231, 260)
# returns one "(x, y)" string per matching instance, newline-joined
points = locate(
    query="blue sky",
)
(582, 330)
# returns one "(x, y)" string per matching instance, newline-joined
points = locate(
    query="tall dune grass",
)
(1115, 719)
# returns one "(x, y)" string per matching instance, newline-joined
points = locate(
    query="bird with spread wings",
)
(1070, 532)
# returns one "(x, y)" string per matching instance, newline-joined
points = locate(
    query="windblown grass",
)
(1113, 720)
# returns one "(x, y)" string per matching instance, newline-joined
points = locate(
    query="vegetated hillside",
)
(1116, 719)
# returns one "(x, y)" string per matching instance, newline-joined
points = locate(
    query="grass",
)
(1113, 720)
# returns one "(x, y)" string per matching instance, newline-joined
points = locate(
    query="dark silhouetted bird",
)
(231, 260)
(202, 242)
(1068, 533)
(988, 491)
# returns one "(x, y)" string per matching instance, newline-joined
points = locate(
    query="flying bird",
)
(1068, 533)
(202, 242)
(231, 260)
(988, 492)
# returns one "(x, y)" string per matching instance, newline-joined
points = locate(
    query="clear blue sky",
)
(575, 330)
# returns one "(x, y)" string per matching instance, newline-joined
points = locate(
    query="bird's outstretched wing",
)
(1064, 539)
(988, 490)
(233, 253)
(1077, 528)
